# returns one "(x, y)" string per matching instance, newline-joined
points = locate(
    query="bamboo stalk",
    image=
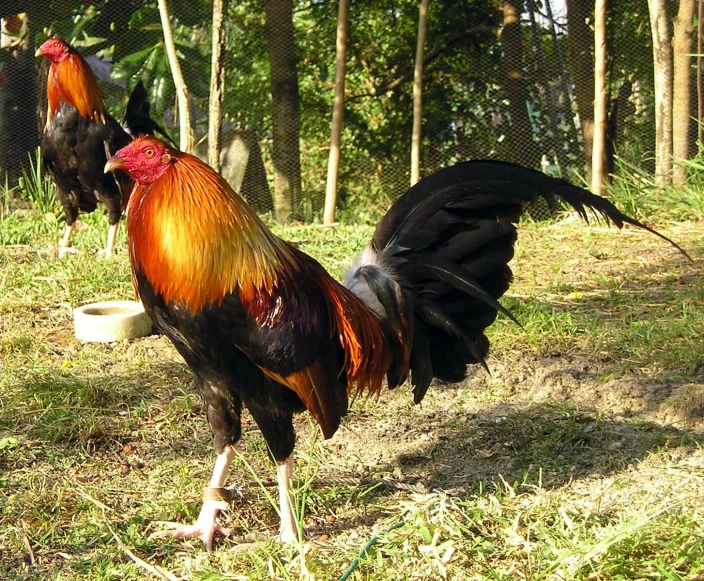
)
(700, 82)
(185, 133)
(338, 111)
(599, 97)
(418, 92)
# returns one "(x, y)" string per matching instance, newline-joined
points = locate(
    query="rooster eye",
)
(149, 152)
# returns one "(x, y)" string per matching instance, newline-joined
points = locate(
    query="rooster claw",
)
(176, 530)
(65, 250)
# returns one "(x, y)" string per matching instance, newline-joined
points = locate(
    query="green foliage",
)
(689, 198)
(140, 54)
(29, 209)
(635, 190)
(465, 112)
(381, 53)
(22, 228)
(36, 187)
(6, 195)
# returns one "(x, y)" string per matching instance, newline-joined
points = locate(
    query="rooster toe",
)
(65, 250)
(205, 533)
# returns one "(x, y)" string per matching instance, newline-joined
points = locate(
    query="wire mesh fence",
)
(493, 87)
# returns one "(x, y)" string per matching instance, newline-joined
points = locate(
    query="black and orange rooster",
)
(262, 324)
(79, 136)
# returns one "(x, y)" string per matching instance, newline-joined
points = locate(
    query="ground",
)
(578, 457)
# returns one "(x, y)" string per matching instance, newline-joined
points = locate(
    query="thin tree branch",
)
(700, 78)
(338, 112)
(185, 134)
(597, 184)
(418, 92)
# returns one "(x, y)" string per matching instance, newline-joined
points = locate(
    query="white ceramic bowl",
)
(111, 321)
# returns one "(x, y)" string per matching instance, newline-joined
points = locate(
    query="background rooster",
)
(262, 324)
(79, 135)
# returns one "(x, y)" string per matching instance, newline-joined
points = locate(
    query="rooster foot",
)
(287, 536)
(204, 532)
(204, 528)
(65, 250)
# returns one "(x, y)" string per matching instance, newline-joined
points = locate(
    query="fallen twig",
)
(156, 570)
(153, 569)
(92, 500)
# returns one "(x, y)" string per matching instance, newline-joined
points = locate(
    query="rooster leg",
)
(112, 239)
(288, 531)
(205, 526)
(65, 242)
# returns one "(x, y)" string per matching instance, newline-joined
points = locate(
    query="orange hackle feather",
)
(367, 355)
(197, 241)
(72, 80)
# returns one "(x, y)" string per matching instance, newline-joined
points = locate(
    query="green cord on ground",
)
(370, 543)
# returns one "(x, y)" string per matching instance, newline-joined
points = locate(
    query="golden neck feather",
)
(72, 80)
(197, 241)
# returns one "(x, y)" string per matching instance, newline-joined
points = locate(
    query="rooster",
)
(79, 135)
(263, 325)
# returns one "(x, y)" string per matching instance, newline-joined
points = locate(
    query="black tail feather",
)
(444, 271)
(447, 242)
(436, 316)
(137, 120)
(581, 200)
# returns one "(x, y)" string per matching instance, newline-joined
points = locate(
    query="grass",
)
(572, 460)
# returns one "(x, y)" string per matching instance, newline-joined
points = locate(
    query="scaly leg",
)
(65, 242)
(288, 531)
(112, 239)
(214, 501)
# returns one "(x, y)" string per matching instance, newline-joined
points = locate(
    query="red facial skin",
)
(145, 160)
(54, 50)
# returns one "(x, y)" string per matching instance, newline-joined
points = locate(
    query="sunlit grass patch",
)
(572, 460)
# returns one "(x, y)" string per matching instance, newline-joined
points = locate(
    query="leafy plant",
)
(36, 188)
(690, 198)
(6, 193)
(632, 188)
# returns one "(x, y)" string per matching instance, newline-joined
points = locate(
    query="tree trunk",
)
(700, 78)
(681, 48)
(418, 92)
(581, 42)
(338, 112)
(662, 60)
(599, 145)
(217, 84)
(285, 108)
(185, 132)
(523, 148)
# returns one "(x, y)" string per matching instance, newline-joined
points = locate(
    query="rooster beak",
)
(39, 52)
(114, 163)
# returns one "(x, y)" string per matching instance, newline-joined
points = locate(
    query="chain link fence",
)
(486, 93)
